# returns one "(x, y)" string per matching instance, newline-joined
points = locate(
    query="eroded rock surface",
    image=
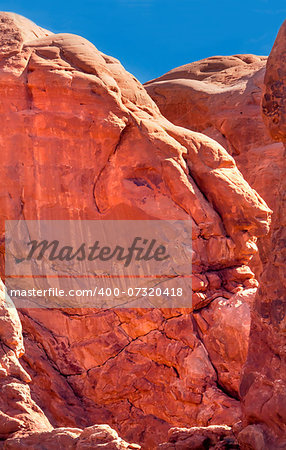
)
(263, 386)
(97, 436)
(22, 423)
(18, 412)
(221, 97)
(198, 438)
(83, 140)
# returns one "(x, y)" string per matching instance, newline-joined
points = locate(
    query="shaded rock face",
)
(197, 438)
(263, 386)
(83, 140)
(223, 97)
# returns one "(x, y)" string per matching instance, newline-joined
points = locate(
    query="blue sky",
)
(151, 37)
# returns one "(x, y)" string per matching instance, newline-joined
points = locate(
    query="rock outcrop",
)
(263, 387)
(18, 411)
(97, 436)
(22, 423)
(222, 97)
(82, 139)
(197, 438)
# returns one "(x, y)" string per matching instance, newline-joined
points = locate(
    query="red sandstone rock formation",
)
(85, 141)
(222, 97)
(18, 411)
(263, 387)
(97, 436)
(22, 423)
(213, 438)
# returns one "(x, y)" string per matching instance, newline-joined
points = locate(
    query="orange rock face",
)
(222, 98)
(17, 409)
(84, 140)
(263, 384)
(22, 423)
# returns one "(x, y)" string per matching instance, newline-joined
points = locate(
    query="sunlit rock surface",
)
(82, 139)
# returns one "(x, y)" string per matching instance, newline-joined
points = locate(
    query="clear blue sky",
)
(151, 37)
